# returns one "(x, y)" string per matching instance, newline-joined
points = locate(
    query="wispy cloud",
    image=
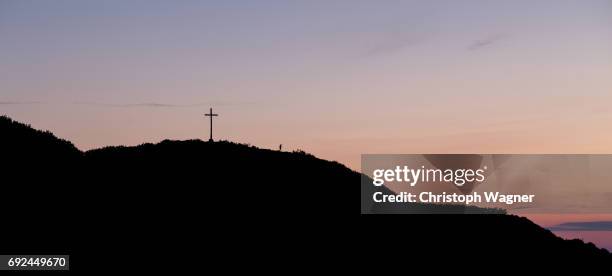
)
(485, 42)
(159, 104)
(393, 44)
(583, 226)
(128, 105)
(19, 102)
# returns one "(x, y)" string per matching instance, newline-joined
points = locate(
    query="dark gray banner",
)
(486, 183)
(34, 262)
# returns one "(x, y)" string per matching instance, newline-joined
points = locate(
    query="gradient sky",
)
(600, 237)
(334, 78)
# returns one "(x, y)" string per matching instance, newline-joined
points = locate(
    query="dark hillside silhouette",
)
(39, 173)
(27, 144)
(180, 205)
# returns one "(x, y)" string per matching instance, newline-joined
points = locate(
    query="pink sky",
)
(334, 78)
(600, 238)
(364, 77)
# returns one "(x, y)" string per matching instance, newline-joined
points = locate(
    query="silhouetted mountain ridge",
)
(22, 138)
(190, 199)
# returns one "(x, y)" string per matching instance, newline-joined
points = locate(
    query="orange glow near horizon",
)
(602, 239)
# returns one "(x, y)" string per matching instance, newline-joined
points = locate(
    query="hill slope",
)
(189, 200)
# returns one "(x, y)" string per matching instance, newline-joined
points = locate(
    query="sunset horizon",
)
(482, 110)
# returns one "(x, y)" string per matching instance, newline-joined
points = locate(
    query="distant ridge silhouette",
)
(155, 206)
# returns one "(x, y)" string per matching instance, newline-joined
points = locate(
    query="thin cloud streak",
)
(19, 102)
(485, 43)
(159, 105)
(583, 226)
(128, 105)
(394, 45)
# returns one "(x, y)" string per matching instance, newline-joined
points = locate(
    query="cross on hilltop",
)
(211, 115)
